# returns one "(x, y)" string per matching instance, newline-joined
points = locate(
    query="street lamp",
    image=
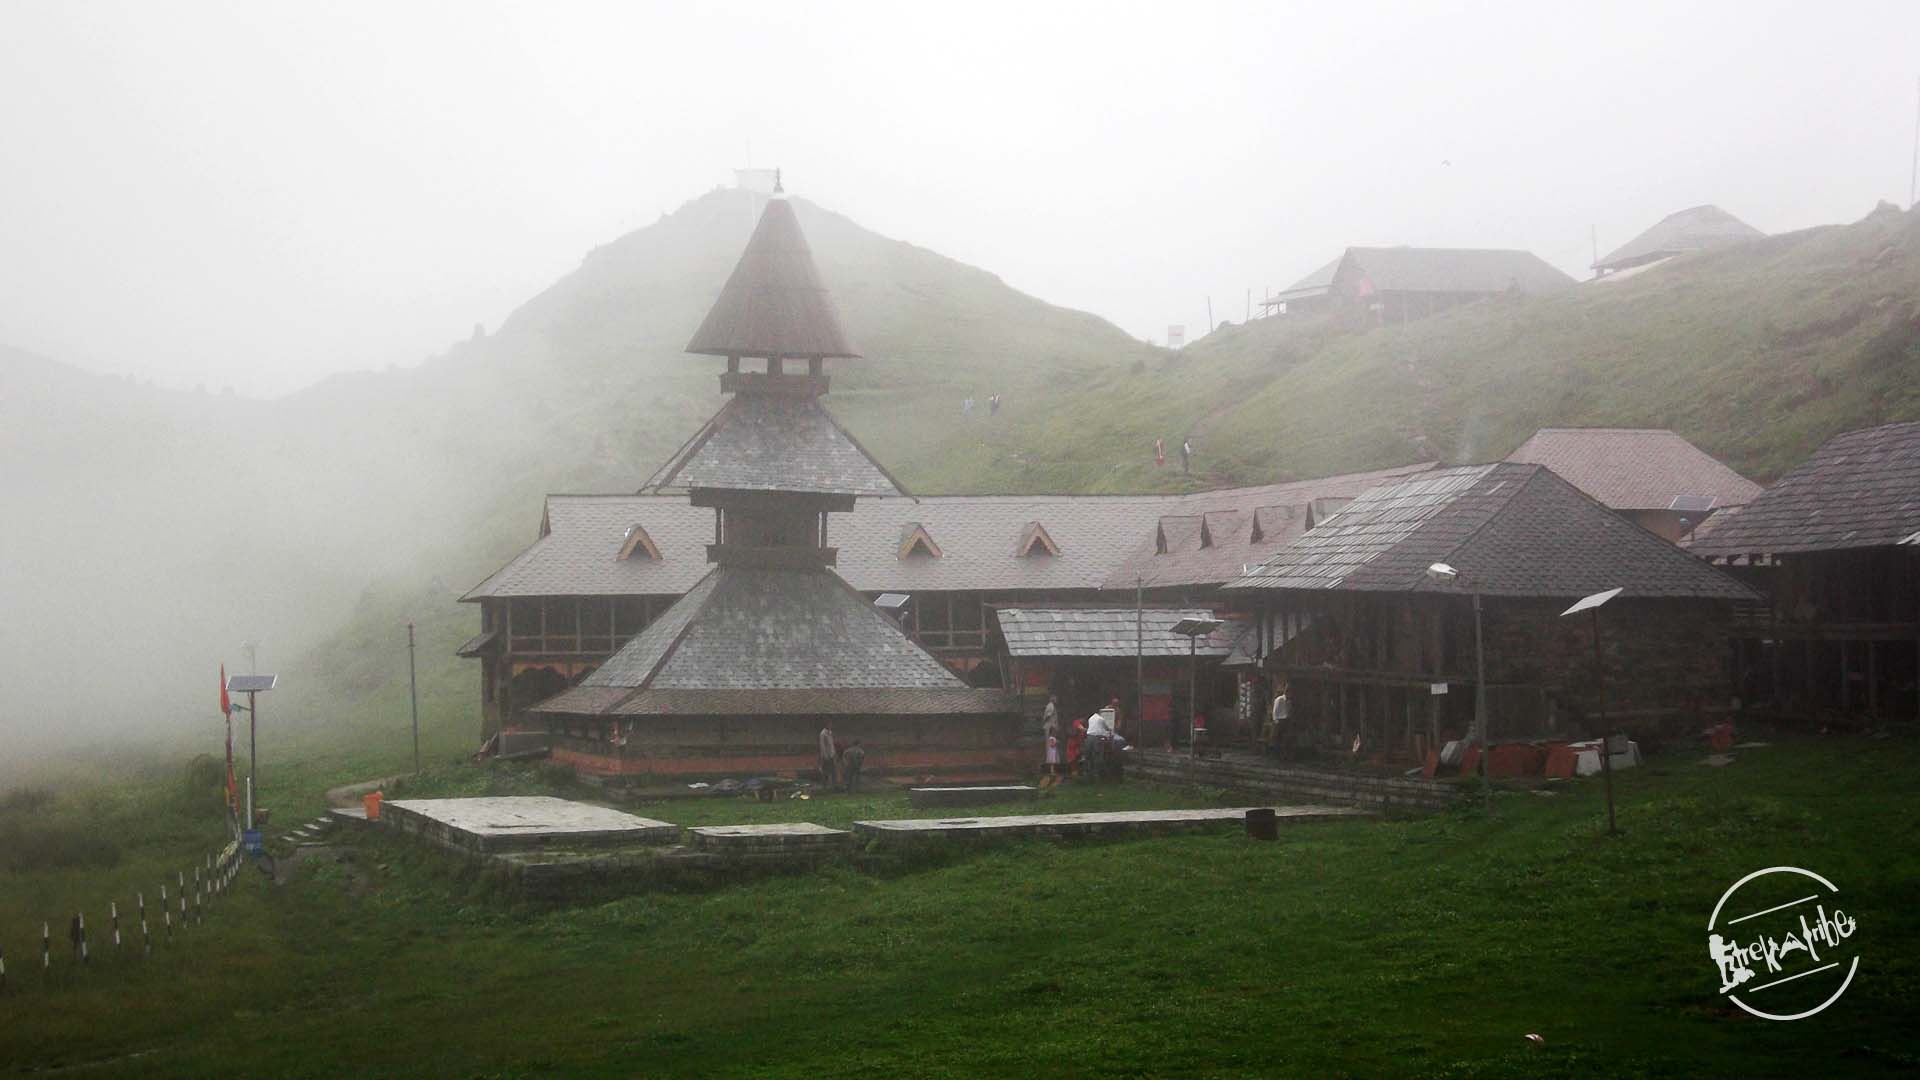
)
(1593, 604)
(1441, 574)
(1193, 630)
(252, 686)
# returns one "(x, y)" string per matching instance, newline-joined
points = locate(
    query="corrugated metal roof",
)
(1635, 468)
(1097, 632)
(1860, 489)
(1509, 529)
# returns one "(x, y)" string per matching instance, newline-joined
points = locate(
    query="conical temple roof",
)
(763, 442)
(774, 304)
(756, 640)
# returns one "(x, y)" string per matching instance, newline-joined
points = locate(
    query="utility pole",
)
(413, 695)
(1606, 739)
(1139, 661)
(1913, 178)
(1480, 699)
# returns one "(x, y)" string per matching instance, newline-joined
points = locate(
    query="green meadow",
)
(1402, 947)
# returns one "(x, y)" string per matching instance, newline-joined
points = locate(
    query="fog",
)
(261, 197)
(257, 194)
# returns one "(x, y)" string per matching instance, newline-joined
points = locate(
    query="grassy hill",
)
(1757, 353)
(169, 527)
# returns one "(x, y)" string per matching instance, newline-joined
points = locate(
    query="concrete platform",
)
(970, 796)
(784, 838)
(485, 826)
(908, 831)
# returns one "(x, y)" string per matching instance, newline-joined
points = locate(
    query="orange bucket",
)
(372, 802)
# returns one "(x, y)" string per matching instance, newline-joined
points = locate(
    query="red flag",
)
(226, 713)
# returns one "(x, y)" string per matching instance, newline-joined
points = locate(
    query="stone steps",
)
(906, 832)
(1291, 783)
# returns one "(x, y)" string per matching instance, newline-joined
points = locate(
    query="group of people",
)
(1186, 454)
(993, 405)
(840, 762)
(1091, 748)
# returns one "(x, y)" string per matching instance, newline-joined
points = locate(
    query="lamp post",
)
(252, 686)
(1442, 574)
(413, 696)
(1593, 604)
(1193, 630)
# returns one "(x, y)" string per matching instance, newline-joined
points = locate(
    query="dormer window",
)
(636, 544)
(915, 540)
(1035, 541)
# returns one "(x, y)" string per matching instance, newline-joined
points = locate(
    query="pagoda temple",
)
(738, 676)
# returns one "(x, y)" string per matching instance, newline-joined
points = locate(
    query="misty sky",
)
(257, 194)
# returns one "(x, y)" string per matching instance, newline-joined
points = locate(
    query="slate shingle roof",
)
(1094, 632)
(1509, 529)
(1634, 468)
(818, 702)
(1860, 489)
(766, 442)
(774, 304)
(1104, 540)
(1452, 270)
(752, 628)
(1697, 228)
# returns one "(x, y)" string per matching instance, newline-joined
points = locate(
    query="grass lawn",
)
(1411, 947)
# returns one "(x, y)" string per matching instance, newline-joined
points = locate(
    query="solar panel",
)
(1196, 627)
(248, 684)
(1692, 504)
(891, 601)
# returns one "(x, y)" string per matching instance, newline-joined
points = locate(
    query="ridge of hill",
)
(168, 526)
(1757, 352)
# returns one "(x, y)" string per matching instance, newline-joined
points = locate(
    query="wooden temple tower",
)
(737, 677)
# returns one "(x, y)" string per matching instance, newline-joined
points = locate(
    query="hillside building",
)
(1650, 476)
(1697, 228)
(1381, 657)
(604, 567)
(1401, 283)
(1835, 546)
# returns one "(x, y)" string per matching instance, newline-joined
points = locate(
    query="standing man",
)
(1186, 456)
(851, 759)
(827, 754)
(1050, 718)
(1278, 722)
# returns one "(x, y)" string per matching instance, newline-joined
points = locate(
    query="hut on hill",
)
(1651, 476)
(740, 673)
(1401, 283)
(1697, 228)
(1835, 546)
(1381, 653)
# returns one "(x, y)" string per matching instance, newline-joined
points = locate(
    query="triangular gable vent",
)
(637, 544)
(1266, 516)
(1035, 537)
(914, 538)
(1320, 510)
